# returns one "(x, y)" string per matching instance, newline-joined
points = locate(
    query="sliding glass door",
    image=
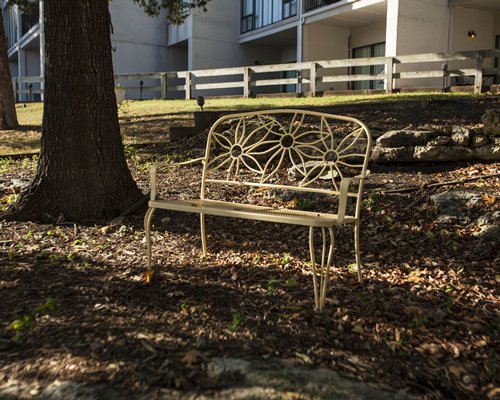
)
(373, 50)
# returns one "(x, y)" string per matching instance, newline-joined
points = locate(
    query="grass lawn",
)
(150, 120)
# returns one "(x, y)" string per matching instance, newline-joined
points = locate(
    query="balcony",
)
(312, 4)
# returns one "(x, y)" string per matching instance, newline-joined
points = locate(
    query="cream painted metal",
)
(289, 150)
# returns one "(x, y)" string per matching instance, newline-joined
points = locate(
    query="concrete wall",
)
(177, 58)
(288, 54)
(32, 63)
(465, 19)
(327, 42)
(415, 27)
(13, 68)
(368, 34)
(215, 35)
(420, 26)
(140, 41)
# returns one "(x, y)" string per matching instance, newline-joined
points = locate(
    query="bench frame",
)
(324, 155)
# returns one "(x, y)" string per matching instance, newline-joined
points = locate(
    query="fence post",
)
(389, 69)
(312, 79)
(478, 79)
(246, 82)
(188, 85)
(163, 84)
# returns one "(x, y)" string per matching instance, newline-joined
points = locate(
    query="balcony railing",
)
(312, 4)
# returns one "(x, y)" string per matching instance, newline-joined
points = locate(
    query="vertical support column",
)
(246, 82)
(389, 69)
(163, 84)
(21, 67)
(42, 50)
(21, 71)
(300, 41)
(187, 85)
(14, 86)
(392, 28)
(478, 79)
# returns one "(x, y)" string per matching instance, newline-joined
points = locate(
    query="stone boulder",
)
(489, 226)
(478, 140)
(439, 141)
(451, 206)
(460, 136)
(442, 153)
(404, 137)
(491, 121)
(282, 380)
(490, 152)
(392, 154)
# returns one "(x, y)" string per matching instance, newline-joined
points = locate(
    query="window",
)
(29, 19)
(289, 8)
(10, 25)
(247, 16)
(258, 13)
(374, 50)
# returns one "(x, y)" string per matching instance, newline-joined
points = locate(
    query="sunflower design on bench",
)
(282, 150)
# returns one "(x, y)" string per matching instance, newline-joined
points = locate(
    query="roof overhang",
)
(349, 13)
(486, 5)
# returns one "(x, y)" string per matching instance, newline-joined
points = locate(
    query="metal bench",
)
(303, 152)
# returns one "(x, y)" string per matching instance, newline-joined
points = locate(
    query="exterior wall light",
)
(471, 34)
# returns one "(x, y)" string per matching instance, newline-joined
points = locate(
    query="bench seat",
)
(254, 212)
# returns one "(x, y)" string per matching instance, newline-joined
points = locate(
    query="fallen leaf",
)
(489, 200)
(358, 329)
(304, 357)
(456, 371)
(192, 357)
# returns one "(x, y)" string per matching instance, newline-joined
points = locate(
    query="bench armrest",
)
(344, 192)
(154, 168)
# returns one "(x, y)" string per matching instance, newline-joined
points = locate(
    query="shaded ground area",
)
(424, 322)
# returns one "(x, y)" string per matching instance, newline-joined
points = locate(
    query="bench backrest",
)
(286, 149)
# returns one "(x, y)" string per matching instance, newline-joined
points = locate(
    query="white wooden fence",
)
(308, 78)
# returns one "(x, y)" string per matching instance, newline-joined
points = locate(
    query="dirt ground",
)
(75, 305)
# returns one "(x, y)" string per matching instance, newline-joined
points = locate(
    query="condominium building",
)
(257, 32)
(284, 31)
(139, 42)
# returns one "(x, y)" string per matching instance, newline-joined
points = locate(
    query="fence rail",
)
(437, 70)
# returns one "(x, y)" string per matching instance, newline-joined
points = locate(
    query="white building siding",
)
(139, 41)
(368, 34)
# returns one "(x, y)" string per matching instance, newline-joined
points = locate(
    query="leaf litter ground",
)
(75, 306)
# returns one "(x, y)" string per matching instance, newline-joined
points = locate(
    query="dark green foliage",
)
(151, 7)
(174, 7)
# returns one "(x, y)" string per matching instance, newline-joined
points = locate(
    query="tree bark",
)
(82, 174)
(8, 116)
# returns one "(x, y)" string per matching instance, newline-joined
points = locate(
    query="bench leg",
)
(326, 262)
(357, 250)
(203, 236)
(147, 227)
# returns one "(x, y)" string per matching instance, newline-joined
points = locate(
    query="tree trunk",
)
(8, 116)
(82, 173)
